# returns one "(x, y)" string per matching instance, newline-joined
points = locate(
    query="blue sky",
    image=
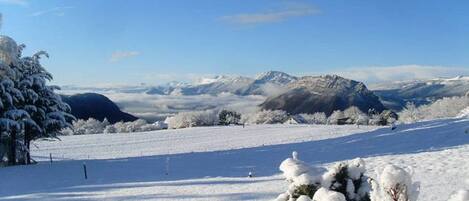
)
(130, 42)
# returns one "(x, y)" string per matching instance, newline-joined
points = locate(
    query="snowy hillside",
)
(212, 163)
(395, 95)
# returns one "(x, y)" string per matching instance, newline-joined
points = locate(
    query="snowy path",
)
(437, 151)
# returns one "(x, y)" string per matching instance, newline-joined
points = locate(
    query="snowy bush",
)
(461, 195)
(266, 117)
(302, 178)
(193, 119)
(394, 184)
(346, 181)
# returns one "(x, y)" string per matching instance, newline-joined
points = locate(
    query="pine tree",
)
(30, 109)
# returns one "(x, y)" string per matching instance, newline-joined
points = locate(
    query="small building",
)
(295, 119)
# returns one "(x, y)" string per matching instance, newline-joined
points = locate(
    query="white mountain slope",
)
(212, 163)
(396, 94)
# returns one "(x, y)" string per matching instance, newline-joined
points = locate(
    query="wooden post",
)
(84, 170)
(50, 157)
(167, 165)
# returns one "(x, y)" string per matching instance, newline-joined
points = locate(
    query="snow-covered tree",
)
(193, 119)
(442, 108)
(226, 117)
(335, 117)
(266, 117)
(410, 113)
(394, 184)
(35, 107)
(315, 118)
(353, 114)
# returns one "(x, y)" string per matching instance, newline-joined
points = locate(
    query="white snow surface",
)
(213, 163)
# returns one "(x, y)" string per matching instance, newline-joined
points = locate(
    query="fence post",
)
(84, 170)
(50, 157)
(167, 165)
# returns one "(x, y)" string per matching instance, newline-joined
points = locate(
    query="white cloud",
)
(119, 55)
(400, 73)
(14, 2)
(278, 15)
(57, 11)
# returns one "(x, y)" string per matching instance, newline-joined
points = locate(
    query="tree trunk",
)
(12, 149)
(27, 143)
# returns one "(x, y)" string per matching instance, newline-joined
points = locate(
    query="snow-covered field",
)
(213, 163)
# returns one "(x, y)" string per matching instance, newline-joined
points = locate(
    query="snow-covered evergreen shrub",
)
(394, 184)
(348, 179)
(461, 195)
(266, 117)
(302, 178)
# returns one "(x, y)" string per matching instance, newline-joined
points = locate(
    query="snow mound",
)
(298, 172)
(464, 113)
(326, 195)
(461, 195)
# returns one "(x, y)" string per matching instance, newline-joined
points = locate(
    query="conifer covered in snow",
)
(394, 184)
(30, 109)
(226, 117)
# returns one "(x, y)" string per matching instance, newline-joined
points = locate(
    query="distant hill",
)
(395, 95)
(323, 94)
(264, 84)
(97, 106)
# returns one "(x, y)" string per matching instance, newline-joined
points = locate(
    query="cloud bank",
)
(371, 75)
(14, 2)
(278, 15)
(120, 55)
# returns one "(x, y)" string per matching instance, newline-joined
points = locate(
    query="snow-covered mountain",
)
(323, 94)
(396, 94)
(264, 84)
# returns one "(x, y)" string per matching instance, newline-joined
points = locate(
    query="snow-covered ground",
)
(212, 163)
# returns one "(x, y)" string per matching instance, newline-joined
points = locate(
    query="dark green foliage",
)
(308, 190)
(226, 117)
(340, 183)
